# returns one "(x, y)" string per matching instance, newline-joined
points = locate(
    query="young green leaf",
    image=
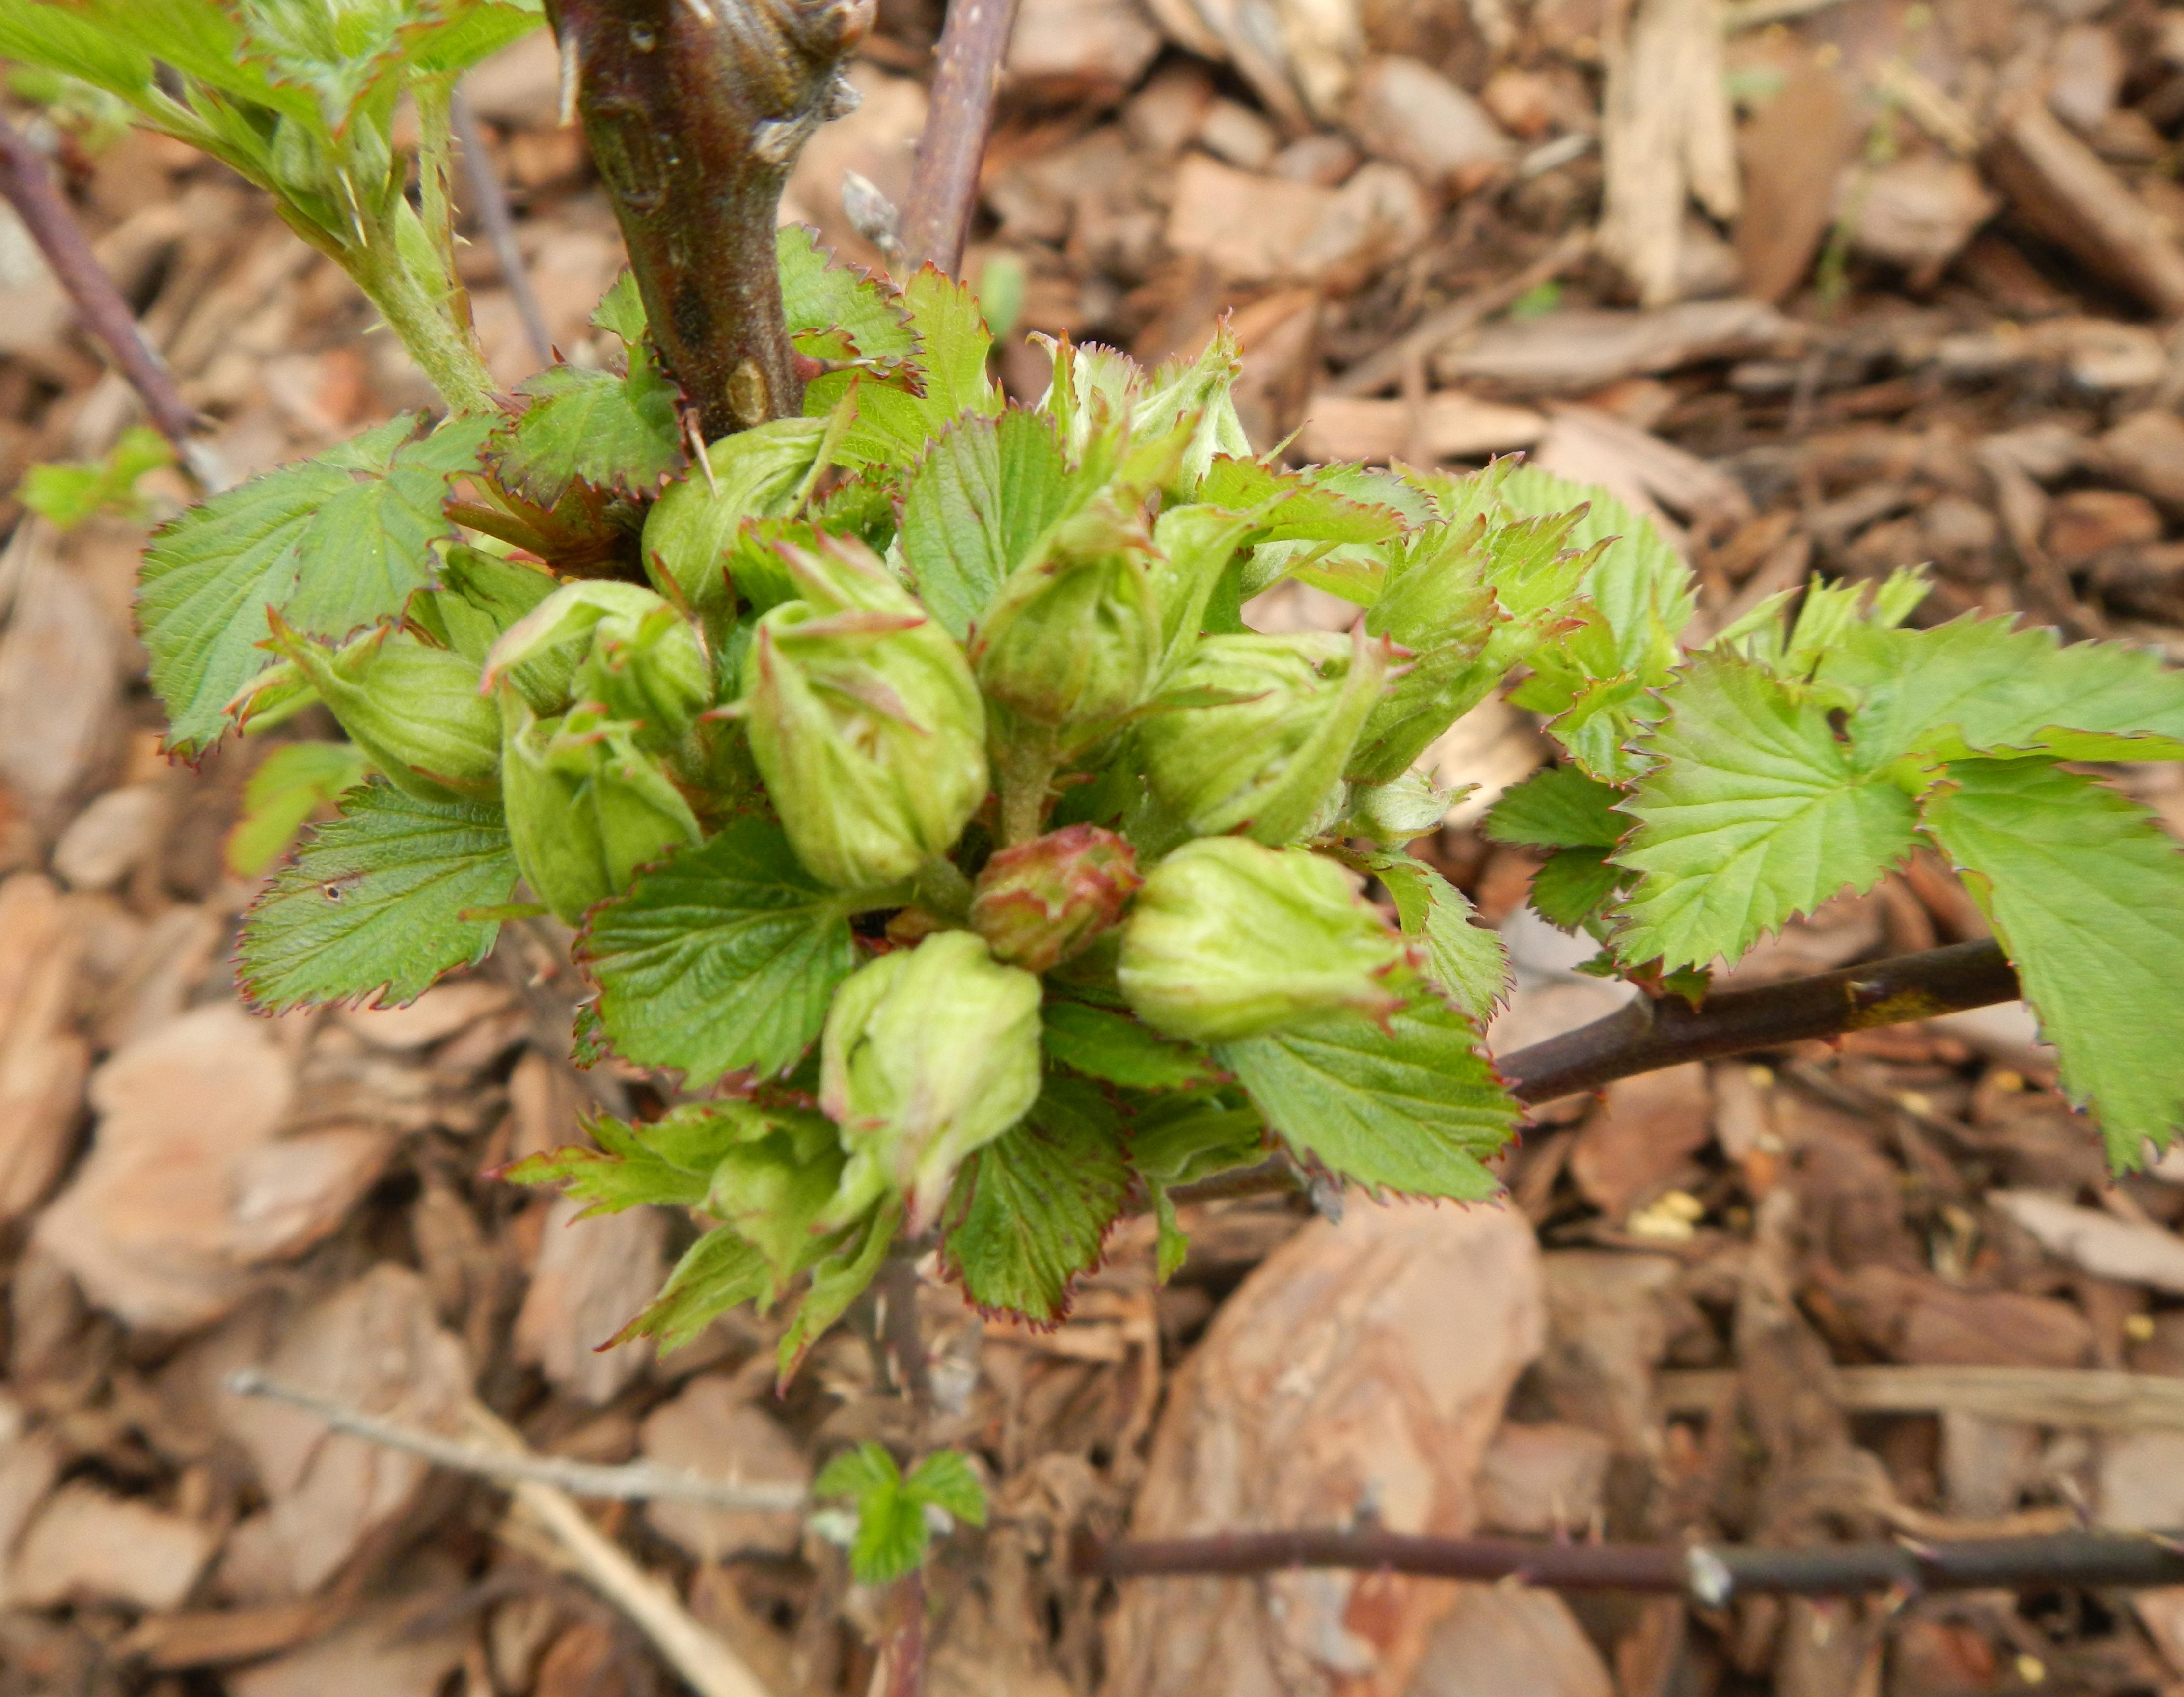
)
(840, 1276)
(2087, 893)
(978, 503)
(633, 1166)
(718, 1272)
(1560, 807)
(945, 1480)
(1031, 1211)
(1410, 1104)
(1465, 960)
(1118, 1049)
(894, 425)
(290, 784)
(891, 1529)
(721, 960)
(371, 910)
(341, 53)
(1975, 686)
(1754, 813)
(834, 313)
(332, 544)
(591, 427)
(1642, 589)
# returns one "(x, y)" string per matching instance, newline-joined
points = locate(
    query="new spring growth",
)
(1254, 731)
(413, 709)
(640, 660)
(586, 806)
(863, 720)
(1230, 940)
(1072, 640)
(1040, 903)
(776, 1181)
(928, 1053)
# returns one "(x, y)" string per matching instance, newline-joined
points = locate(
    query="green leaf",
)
(893, 425)
(1031, 1211)
(1465, 960)
(1560, 807)
(66, 495)
(944, 1479)
(834, 313)
(633, 1166)
(332, 543)
(1755, 813)
(838, 1278)
(1121, 1050)
(2087, 893)
(857, 1473)
(978, 505)
(718, 1272)
(722, 960)
(1574, 886)
(591, 427)
(1643, 589)
(1413, 1105)
(1975, 686)
(290, 784)
(371, 911)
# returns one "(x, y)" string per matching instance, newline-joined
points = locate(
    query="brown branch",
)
(944, 188)
(1709, 1574)
(500, 226)
(30, 187)
(695, 110)
(1645, 1035)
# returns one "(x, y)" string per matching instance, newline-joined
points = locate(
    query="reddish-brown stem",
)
(944, 188)
(1710, 1574)
(695, 110)
(29, 185)
(902, 1651)
(1645, 1034)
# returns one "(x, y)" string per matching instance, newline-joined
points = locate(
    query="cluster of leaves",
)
(892, 1516)
(1705, 796)
(921, 798)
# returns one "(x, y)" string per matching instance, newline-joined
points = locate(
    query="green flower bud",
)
(1230, 940)
(928, 1053)
(1074, 638)
(637, 657)
(1042, 903)
(1399, 811)
(413, 709)
(1256, 730)
(863, 720)
(586, 805)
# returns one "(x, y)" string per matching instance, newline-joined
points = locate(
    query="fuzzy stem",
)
(449, 360)
(1024, 762)
(943, 890)
(434, 170)
(695, 110)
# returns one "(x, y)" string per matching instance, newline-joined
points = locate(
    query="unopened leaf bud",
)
(1042, 903)
(637, 657)
(1253, 731)
(413, 709)
(1073, 639)
(1230, 940)
(587, 807)
(863, 720)
(928, 1053)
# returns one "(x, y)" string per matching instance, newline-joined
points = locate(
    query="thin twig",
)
(1437, 329)
(1710, 1574)
(632, 1482)
(944, 187)
(1645, 1034)
(709, 1665)
(499, 225)
(29, 185)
